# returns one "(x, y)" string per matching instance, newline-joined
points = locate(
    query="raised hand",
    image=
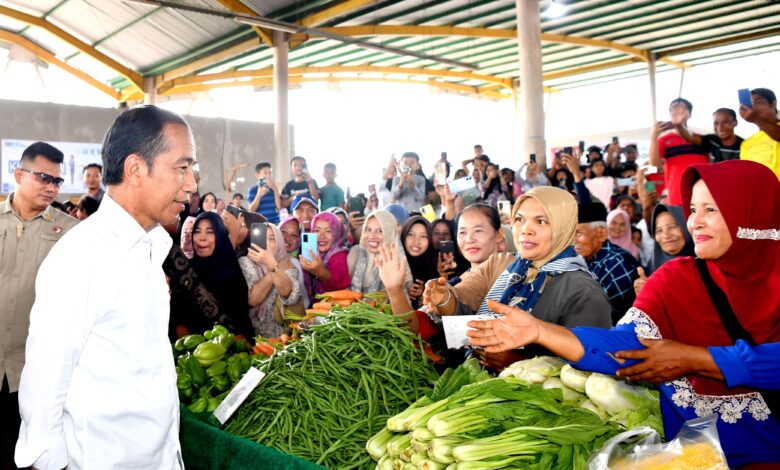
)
(515, 329)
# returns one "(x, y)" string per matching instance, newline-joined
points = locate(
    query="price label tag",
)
(455, 328)
(240, 392)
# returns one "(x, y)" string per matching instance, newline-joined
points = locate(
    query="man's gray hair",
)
(597, 224)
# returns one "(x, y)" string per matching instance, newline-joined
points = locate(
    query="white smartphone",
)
(462, 184)
(505, 208)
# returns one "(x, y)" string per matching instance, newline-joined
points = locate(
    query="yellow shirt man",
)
(762, 149)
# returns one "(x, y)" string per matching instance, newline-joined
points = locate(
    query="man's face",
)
(478, 151)
(764, 109)
(304, 213)
(631, 155)
(92, 179)
(409, 162)
(236, 201)
(265, 173)
(588, 240)
(628, 206)
(167, 187)
(723, 125)
(297, 167)
(329, 174)
(679, 113)
(30, 189)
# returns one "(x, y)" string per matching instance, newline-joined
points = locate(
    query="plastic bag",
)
(696, 446)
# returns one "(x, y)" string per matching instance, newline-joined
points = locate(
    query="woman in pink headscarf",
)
(619, 230)
(327, 269)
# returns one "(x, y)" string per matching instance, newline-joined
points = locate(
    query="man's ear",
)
(601, 234)
(135, 168)
(18, 175)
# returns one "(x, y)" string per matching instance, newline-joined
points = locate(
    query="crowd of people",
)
(591, 259)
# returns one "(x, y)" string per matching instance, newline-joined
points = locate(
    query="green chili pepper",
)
(199, 405)
(209, 353)
(217, 369)
(192, 341)
(197, 373)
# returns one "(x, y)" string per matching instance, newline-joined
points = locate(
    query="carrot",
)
(316, 311)
(344, 303)
(322, 306)
(274, 340)
(264, 349)
(370, 302)
(343, 295)
(432, 355)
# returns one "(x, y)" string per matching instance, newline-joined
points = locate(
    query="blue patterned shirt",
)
(615, 269)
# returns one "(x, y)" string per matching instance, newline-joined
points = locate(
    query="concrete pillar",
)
(150, 91)
(651, 75)
(529, 42)
(281, 161)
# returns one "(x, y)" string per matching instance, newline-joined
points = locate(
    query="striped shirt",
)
(267, 206)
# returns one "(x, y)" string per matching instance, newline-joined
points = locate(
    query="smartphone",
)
(447, 246)
(615, 139)
(440, 174)
(504, 208)
(649, 169)
(428, 213)
(568, 150)
(626, 181)
(356, 205)
(308, 244)
(234, 211)
(258, 234)
(444, 155)
(649, 186)
(667, 125)
(532, 158)
(263, 182)
(744, 98)
(462, 184)
(582, 147)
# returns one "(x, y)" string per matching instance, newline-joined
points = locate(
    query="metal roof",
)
(115, 44)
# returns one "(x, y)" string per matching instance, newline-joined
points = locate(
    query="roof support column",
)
(651, 75)
(529, 42)
(282, 124)
(150, 91)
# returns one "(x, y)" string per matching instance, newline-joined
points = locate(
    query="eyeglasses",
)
(45, 178)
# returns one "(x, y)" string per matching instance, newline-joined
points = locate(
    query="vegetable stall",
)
(353, 388)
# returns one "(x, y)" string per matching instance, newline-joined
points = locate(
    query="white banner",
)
(77, 156)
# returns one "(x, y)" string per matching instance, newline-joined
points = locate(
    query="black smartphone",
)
(263, 182)
(444, 155)
(568, 150)
(356, 205)
(532, 158)
(258, 234)
(582, 147)
(614, 139)
(447, 246)
(234, 211)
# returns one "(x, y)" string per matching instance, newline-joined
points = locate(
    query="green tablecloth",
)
(206, 447)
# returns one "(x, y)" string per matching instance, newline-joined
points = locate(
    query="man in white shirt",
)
(98, 389)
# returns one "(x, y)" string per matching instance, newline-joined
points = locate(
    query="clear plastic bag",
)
(696, 447)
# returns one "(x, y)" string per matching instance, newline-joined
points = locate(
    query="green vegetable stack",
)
(505, 422)
(325, 395)
(207, 367)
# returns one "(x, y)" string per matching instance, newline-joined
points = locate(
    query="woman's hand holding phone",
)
(261, 257)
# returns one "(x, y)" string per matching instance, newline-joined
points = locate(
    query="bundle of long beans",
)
(326, 395)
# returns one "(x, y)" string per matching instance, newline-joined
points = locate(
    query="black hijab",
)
(222, 276)
(425, 266)
(660, 256)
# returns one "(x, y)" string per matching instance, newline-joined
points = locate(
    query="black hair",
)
(139, 130)
(483, 158)
(477, 146)
(568, 183)
(203, 198)
(636, 230)
(730, 112)
(88, 204)
(297, 157)
(487, 210)
(628, 166)
(47, 151)
(259, 167)
(687, 103)
(765, 93)
(67, 206)
(93, 165)
(411, 155)
(237, 195)
(331, 166)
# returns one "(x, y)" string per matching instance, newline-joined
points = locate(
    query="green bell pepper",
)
(245, 361)
(225, 340)
(197, 373)
(185, 395)
(183, 382)
(219, 330)
(213, 404)
(199, 405)
(240, 346)
(234, 372)
(209, 353)
(217, 369)
(192, 341)
(220, 383)
(179, 344)
(181, 360)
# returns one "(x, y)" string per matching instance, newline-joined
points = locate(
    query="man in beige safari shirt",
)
(29, 227)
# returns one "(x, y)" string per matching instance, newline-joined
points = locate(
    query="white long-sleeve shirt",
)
(98, 389)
